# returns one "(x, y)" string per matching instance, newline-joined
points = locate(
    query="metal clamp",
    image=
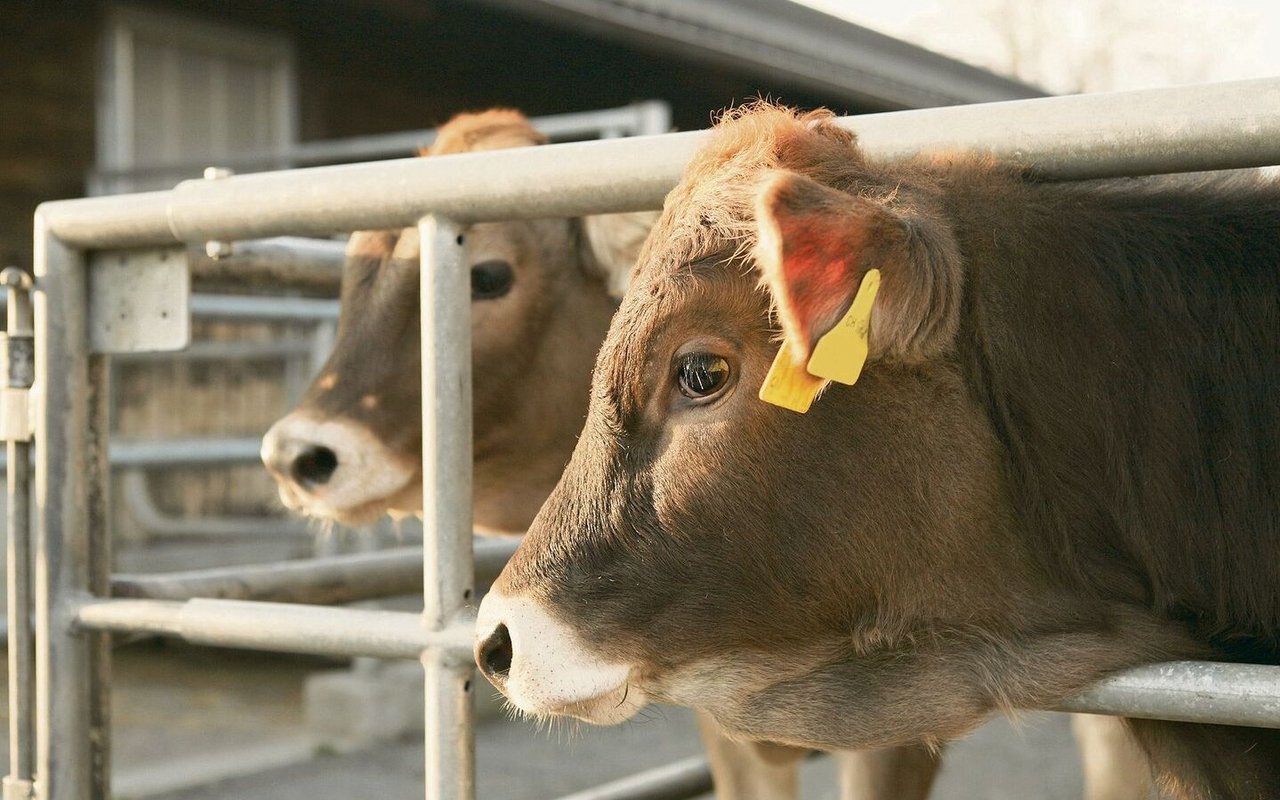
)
(17, 359)
(217, 250)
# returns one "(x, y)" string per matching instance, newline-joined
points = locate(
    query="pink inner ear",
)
(820, 260)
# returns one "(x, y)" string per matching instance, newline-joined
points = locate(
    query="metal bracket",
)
(139, 301)
(217, 250)
(18, 789)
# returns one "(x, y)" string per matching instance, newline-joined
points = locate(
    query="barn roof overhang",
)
(803, 46)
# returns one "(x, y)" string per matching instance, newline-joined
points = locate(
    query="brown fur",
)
(1062, 461)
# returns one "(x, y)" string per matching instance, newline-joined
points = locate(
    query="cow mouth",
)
(610, 708)
(404, 501)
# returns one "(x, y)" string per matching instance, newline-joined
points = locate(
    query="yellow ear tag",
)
(840, 355)
(788, 384)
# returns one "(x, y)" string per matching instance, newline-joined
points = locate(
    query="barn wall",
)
(46, 112)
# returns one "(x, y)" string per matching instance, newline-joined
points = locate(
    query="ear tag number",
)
(839, 356)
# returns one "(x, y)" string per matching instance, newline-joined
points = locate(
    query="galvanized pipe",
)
(1189, 691)
(18, 378)
(64, 466)
(241, 351)
(98, 563)
(179, 453)
(272, 309)
(644, 117)
(152, 521)
(1212, 126)
(448, 579)
(280, 261)
(277, 627)
(679, 780)
(318, 581)
(331, 580)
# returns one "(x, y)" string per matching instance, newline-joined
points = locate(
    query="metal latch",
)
(17, 359)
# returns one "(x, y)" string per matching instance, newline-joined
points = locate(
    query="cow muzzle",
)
(544, 668)
(335, 469)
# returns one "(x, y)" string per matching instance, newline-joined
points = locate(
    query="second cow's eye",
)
(491, 279)
(701, 375)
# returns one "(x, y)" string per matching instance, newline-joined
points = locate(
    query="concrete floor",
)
(195, 724)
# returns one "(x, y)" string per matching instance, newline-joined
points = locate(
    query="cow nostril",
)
(314, 466)
(494, 654)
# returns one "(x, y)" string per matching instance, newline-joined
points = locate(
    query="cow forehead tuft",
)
(495, 129)
(712, 209)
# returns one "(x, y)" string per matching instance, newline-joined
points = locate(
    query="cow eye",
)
(491, 279)
(701, 375)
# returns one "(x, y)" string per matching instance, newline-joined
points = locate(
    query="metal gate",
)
(92, 256)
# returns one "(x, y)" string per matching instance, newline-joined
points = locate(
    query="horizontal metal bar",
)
(679, 780)
(238, 350)
(289, 260)
(635, 119)
(331, 580)
(319, 581)
(259, 308)
(180, 453)
(1186, 691)
(185, 452)
(278, 627)
(1189, 691)
(274, 309)
(155, 522)
(1211, 126)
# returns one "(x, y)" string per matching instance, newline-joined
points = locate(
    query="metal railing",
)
(640, 118)
(1192, 128)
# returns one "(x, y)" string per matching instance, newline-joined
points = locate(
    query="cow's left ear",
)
(814, 245)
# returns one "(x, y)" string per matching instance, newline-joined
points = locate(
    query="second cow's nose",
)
(494, 653)
(314, 466)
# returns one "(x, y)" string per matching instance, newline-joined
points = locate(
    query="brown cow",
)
(1061, 460)
(352, 450)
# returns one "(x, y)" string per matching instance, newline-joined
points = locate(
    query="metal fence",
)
(60, 699)
(645, 116)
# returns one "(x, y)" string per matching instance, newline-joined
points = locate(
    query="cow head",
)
(841, 578)
(540, 306)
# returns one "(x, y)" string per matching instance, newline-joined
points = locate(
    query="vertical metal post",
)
(15, 418)
(98, 533)
(63, 471)
(448, 573)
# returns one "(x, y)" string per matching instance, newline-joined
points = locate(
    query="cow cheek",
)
(706, 500)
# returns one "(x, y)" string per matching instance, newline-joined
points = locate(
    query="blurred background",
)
(105, 97)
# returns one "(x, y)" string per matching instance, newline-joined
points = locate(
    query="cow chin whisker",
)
(546, 722)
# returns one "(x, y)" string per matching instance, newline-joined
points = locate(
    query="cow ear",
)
(814, 245)
(611, 245)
